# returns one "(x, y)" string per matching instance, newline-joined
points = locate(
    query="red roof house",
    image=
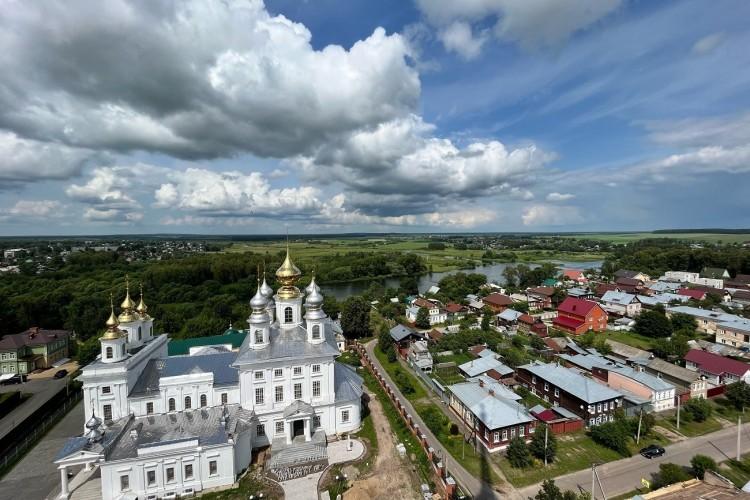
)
(717, 369)
(575, 275)
(498, 302)
(692, 293)
(577, 316)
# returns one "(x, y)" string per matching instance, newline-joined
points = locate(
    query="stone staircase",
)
(298, 452)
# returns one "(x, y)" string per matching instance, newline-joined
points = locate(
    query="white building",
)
(621, 303)
(419, 356)
(163, 425)
(437, 313)
(681, 276)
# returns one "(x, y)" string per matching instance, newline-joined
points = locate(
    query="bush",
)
(738, 394)
(697, 410)
(700, 464)
(434, 419)
(670, 473)
(613, 435)
(403, 382)
(537, 447)
(454, 430)
(518, 453)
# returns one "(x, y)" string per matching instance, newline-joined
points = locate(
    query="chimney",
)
(481, 383)
(492, 392)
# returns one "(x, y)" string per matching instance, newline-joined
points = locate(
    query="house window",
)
(108, 352)
(512, 432)
(258, 336)
(297, 391)
(546, 386)
(280, 427)
(599, 408)
(505, 435)
(140, 334)
(345, 416)
(611, 418)
(149, 408)
(204, 401)
(106, 389)
(316, 332)
(107, 412)
(124, 483)
(611, 405)
(171, 404)
(279, 394)
(259, 396)
(521, 431)
(223, 398)
(486, 435)
(188, 471)
(259, 375)
(213, 469)
(316, 421)
(288, 315)
(260, 430)
(557, 392)
(316, 368)
(495, 436)
(278, 372)
(533, 380)
(297, 371)
(591, 421)
(188, 403)
(316, 389)
(591, 408)
(151, 478)
(170, 474)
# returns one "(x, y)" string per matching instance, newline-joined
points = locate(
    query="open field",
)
(628, 237)
(448, 259)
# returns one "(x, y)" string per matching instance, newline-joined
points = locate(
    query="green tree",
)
(613, 435)
(486, 321)
(537, 445)
(550, 491)
(682, 321)
(403, 381)
(355, 318)
(700, 464)
(738, 394)
(423, 318)
(518, 453)
(697, 410)
(653, 324)
(331, 306)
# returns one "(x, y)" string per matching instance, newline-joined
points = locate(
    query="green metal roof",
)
(182, 346)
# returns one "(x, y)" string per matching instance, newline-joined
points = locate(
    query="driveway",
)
(35, 476)
(623, 476)
(41, 390)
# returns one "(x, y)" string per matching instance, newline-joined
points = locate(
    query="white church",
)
(162, 426)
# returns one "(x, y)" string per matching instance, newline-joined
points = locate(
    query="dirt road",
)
(391, 477)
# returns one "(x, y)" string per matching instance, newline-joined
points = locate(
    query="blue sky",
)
(332, 116)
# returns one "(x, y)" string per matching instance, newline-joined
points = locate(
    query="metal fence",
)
(12, 454)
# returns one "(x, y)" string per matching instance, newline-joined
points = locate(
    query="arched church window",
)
(108, 352)
(188, 403)
(258, 336)
(171, 404)
(140, 333)
(288, 315)
(316, 332)
(204, 401)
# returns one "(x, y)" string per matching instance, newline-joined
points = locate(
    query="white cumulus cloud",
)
(547, 215)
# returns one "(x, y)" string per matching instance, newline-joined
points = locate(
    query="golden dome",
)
(113, 332)
(142, 309)
(287, 275)
(128, 303)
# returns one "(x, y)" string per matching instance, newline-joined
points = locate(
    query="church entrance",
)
(298, 428)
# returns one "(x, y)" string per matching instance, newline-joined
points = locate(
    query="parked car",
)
(61, 373)
(15, 379)
(652, 451)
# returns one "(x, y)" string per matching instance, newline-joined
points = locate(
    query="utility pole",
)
(640, 419)
(678, 412)
(546, 429)
(739, 427)
(593, 481)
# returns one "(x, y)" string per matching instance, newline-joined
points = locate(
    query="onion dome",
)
(288, 275)
(259, 301)
(314, 298)
(312, 286)
(266, 290)
(94, 435)
(94, 422)
(128, 306)
(142, 308)
(112, 332)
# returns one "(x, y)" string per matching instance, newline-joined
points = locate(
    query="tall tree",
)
(355, 318)
(653, 324)
(423, 318)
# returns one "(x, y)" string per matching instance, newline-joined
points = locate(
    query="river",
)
(494, 273)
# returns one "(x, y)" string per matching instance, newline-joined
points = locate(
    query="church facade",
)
(162, 426)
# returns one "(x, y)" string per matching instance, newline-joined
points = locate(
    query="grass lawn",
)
(726, 410)
(737, 472)
(459, 358)
(631, 339)
(575, 451)
(690, 429)
(393, 368)
(630, 237)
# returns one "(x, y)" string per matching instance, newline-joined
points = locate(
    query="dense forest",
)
(655, 256)
(190, 297)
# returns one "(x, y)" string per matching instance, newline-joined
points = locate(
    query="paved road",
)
(35, 475)
(625, 475)
(42, 391)
(479, 489)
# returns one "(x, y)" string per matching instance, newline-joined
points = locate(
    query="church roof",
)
(182, 346)
(218, 364)
(348, 383)
(287, 343)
